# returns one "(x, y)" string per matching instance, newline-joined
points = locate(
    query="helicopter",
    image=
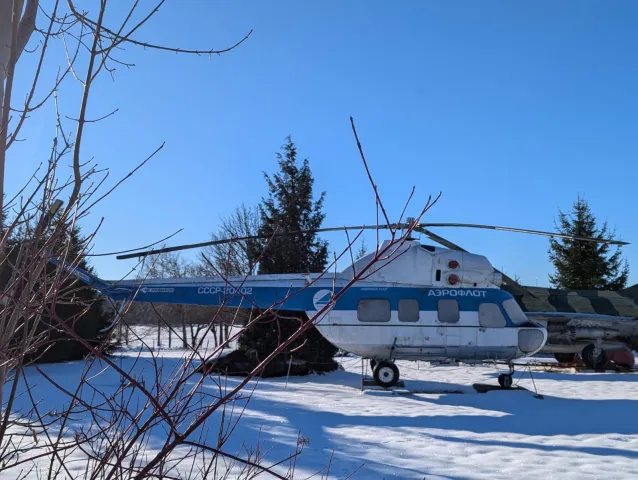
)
(420, 302)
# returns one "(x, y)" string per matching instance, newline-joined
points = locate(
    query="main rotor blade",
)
(452, 246)
(253, 237)
(524, 230)
(396, 226)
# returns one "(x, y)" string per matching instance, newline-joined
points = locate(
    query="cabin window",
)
(490, 316)
(514, 311)
(448, 311)
(373, 310)
(408, 310)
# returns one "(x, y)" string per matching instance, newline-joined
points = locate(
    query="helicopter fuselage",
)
(371, 318)
(418, 303)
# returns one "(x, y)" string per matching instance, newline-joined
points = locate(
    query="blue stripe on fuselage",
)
(303, 298)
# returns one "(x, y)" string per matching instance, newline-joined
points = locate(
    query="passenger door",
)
(455, 329)
(494, 339)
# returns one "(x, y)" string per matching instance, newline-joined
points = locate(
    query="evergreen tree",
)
(85, 314)
(363, 250)
(585, 265)
(290, 206)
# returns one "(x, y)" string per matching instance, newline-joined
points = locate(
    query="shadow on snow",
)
(283, 412)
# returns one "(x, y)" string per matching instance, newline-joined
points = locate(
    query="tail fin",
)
(86, 277)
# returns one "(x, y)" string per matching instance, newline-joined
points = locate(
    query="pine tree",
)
(585, 265)
(363, 250)
(289, 207)
(85, 315)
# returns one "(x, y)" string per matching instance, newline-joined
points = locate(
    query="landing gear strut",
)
(505, 379)
(385, 373)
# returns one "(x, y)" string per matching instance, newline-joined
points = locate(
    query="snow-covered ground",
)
(585, 426)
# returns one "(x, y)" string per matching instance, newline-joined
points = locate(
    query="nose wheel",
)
(386, 374)
(505, 380)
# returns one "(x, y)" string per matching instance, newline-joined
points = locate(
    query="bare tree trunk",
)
(184, 337)
(170, 337)
(11, 28)
(193, 339)
(2, 155)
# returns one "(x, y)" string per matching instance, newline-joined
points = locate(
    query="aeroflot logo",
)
(454, 292)
(321, 298)
(224, 290)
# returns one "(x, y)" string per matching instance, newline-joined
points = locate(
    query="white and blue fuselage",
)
(419, 302)
(373, 319)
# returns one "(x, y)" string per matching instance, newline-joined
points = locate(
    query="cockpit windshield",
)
(514, 311)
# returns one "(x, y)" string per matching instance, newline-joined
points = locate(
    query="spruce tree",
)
(583, 265)
(90, 324)
(85, 315)
(290, 206)
(363, 250)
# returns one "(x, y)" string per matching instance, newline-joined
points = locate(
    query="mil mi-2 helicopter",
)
(418, 302)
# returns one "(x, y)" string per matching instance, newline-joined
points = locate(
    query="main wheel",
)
(386, 374)
(594, 361)
(565, 357)
(505, 380)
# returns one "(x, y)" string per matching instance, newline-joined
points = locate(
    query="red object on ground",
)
(624, 357)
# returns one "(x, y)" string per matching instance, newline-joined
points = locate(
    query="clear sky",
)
(510, 109)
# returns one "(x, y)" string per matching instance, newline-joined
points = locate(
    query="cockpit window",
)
(490, 316)
(514, 311)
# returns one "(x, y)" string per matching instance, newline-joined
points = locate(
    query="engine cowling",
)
(465, 270)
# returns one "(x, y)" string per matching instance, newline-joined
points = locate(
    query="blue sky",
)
(510, 109)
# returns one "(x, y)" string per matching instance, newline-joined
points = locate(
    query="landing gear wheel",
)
(386, 374)
(505, 380)
(565, 357)
(594, 358)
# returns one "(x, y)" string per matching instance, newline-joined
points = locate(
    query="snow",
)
(585, 426)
